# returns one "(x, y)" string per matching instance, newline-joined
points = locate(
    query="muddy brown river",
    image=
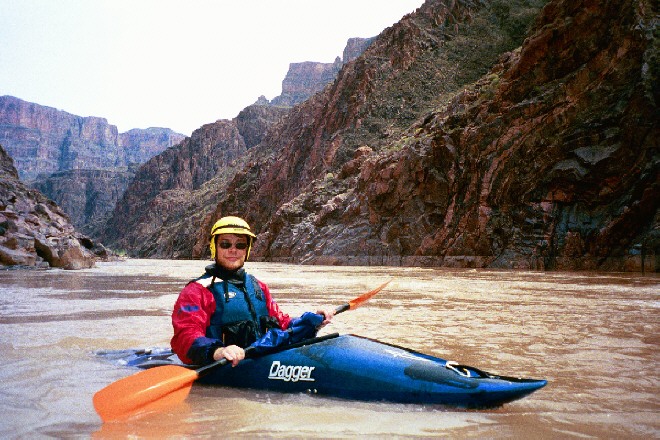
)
(594, 336)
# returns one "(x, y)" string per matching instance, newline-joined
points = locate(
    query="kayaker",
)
(225, 310)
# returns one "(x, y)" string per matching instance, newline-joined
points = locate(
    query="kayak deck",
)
(358, 368)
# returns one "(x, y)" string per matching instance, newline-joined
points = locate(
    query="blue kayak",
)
(353, 367)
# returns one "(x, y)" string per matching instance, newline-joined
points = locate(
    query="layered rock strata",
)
(81, 163)
(548, 161)
(43, 140)
(35, 232)
(87, 196)
(161, 211)
(503, 134)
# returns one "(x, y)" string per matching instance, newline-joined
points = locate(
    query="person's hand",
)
(327, 316)
(233, 353)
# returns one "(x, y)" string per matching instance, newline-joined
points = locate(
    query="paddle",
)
(159, 387)
(351, 305)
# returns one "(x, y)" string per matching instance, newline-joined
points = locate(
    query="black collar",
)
(233, 276)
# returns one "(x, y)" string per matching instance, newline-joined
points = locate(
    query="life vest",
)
(241, 313)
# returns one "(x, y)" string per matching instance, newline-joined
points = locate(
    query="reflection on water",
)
(595, 337)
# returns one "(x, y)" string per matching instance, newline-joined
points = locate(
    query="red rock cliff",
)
(547, 161)
(160, 212)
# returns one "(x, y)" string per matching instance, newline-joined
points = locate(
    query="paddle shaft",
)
(219, 363)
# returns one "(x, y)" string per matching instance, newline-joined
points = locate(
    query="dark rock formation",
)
(404, 73)
(253, 123)
(548, 161)
(87, 196)
(172, 195)
(497, 133)
(161, 211)
(35, 232)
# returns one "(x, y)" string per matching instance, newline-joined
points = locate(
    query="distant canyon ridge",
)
(495, 134)
(84, 164)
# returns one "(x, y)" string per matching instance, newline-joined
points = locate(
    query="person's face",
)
(227, 257)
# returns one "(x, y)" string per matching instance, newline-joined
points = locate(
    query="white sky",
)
(176, 64)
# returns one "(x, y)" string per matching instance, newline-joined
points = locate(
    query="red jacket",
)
(192, 315)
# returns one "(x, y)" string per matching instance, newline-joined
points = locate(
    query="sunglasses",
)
(227, 244)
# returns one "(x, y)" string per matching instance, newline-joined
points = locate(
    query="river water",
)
(594, 336)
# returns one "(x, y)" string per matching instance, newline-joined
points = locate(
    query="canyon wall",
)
(171, 195)
(546, 159)
(87, 196)
(160, 212)
(81, 163)
(303, 80)
(44, 140)
(35, 232)
(502, 134)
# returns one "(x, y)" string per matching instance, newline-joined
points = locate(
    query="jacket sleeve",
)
(274, 309)
(190, 318)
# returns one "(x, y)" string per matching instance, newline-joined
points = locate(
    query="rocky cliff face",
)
(305, 79)
(44, 140)
(355, 47)
(34, 231)
(508, 134)
(548, 162)
(403, 74)
(87, 196)
(160, 212)
(83, 164)
(141, 144)
(421, 152)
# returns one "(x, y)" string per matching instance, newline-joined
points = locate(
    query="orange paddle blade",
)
(160, 386)
(362, 298)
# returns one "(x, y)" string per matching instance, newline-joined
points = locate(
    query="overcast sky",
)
(176, 64)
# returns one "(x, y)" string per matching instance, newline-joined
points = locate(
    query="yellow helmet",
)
(231, 225)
